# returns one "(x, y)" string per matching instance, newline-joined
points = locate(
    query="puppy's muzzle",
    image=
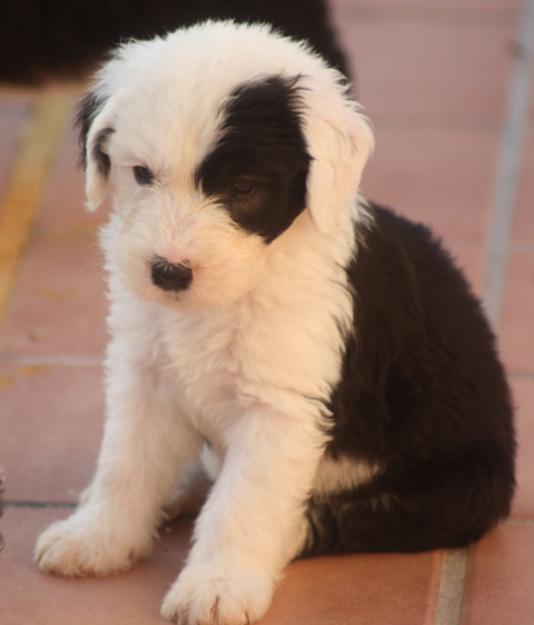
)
(169, 276)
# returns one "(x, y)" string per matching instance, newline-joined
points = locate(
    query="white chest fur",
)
(281, 346)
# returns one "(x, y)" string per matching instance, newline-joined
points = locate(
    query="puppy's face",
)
(210, 164)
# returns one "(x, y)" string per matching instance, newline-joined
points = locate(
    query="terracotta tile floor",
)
(435, 77)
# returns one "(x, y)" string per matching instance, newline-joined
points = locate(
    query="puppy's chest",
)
(207, 362)
(226, 363)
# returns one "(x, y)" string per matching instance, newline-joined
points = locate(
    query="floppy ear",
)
(340, 141)
(94, 122)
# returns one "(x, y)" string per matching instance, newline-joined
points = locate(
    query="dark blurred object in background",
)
(42, 39)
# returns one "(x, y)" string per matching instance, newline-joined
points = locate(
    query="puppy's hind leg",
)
(453, 512)
(191, 492)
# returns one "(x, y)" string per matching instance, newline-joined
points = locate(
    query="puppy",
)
(324, 352)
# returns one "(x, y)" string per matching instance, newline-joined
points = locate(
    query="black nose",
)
(169, 276)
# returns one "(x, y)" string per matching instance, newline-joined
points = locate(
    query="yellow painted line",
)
(29, 173)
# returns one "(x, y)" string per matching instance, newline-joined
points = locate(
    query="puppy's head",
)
(213, 143)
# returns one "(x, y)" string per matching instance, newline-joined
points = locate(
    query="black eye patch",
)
(259, 166)
(242, 188)
(143, 175)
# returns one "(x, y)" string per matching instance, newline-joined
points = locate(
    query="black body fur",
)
(42, 40)
(423, 396)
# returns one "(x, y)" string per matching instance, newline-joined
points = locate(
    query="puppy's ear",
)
(94, 123)
(340, 141)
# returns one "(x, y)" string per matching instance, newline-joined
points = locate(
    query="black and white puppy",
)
(325, 353)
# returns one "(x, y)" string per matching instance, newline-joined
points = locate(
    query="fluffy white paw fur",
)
(85, 544)
(209, 594)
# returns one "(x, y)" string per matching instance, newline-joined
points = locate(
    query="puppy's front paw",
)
(217, 595)
(87, 544)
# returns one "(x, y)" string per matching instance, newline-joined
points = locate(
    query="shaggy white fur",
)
(247, 356)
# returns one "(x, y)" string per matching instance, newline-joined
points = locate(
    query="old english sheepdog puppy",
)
(322, 354)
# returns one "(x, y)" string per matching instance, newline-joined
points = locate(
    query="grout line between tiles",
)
(451, 587)
(51, 360)
(432, 122)
(26, 183)
(37, 504)
(521, 375)
(529, 522)
(438, 557)
(511, 150)
(454, 570)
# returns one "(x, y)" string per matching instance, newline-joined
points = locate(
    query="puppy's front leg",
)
(145, 445)
(252, 523)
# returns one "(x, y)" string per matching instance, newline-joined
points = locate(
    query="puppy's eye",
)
(143, 175)
(242, 188)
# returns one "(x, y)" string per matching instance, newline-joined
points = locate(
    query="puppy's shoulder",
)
(401, 265)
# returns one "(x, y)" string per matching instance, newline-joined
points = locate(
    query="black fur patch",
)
(88, 109)
(422, 395)
(102, 159)
(259, 166)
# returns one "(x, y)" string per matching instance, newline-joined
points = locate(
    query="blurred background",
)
(40, 39)
(448, 87)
